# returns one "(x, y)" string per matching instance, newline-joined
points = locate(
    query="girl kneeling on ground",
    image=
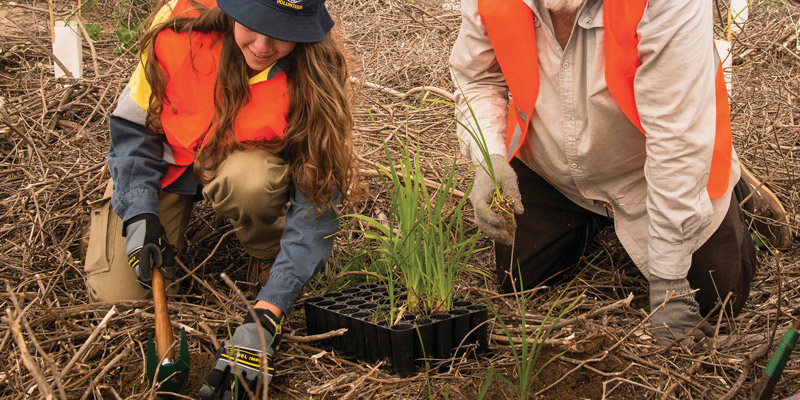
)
(246, 102)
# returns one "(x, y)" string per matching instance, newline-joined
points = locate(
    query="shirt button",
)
(568, 117)
(565, 65)
(587, 192)
(574, 165)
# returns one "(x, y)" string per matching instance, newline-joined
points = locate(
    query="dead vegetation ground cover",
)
(53, 140)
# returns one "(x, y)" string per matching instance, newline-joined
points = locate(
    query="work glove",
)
(491, 223)
(147, 247)
(242, 353)
(680, 314)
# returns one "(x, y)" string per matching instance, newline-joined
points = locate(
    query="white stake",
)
(739, 11)
(67, 47)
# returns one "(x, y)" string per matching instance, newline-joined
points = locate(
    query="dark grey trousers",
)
(553, 233)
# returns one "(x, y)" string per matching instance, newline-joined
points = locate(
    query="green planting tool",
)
(772, 373)
(172, 373)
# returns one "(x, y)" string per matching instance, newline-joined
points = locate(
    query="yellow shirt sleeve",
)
(139, 87)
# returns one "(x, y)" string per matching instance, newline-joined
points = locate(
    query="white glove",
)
(492, 224)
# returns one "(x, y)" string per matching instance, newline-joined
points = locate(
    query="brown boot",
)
(259, 268)
(769, 218)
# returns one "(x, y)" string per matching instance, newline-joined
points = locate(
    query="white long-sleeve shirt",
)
(580, 141)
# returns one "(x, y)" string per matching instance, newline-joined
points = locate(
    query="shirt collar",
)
(592, 15)
(261, 76)
(589, 16)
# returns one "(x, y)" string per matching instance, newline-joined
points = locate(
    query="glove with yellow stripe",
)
(147, 246)
(242, 356)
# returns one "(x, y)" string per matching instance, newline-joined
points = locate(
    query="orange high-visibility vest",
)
(190, 64)
(510, 26)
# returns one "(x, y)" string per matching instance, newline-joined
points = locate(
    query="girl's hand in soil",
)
(488, 216)
(242, 356)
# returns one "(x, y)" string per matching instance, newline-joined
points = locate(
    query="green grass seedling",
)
(526, 357)
(424, 244)
(486, 384)
(501, 204)
(349, 269)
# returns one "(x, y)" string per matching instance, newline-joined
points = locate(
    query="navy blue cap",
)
(301, 21)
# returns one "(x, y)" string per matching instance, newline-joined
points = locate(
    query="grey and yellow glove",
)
(679, 316)
(242, 354)
(491, 223)
(147, 247)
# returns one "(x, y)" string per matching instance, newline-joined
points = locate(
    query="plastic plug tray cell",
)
(371, 340)
(442, 335)
(333, 323)
(357, 322)
(403, 349)
(320, 316)
(460, 328)
(384, 341)
(310, 309)
(355, 302)
(478, 314)
(348, 348)
(423, 346)
(370, 336)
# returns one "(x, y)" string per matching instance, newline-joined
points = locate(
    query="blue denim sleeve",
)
(306, 244)
(136, 165)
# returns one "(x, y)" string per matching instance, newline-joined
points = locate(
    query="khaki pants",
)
(249, 187)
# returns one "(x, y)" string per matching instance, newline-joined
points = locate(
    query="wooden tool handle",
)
(765, 388)
(163, 327)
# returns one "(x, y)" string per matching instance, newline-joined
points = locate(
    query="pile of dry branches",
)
(53, 142)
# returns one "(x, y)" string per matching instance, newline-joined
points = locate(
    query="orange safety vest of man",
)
(190, 64)
(510, 26)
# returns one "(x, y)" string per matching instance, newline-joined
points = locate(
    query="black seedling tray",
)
(405, 344)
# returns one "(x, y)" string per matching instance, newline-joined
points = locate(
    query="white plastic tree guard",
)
(67, 47)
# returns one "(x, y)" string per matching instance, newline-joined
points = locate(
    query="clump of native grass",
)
(423, 245)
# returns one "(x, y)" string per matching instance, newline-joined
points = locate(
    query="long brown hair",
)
(318, 143)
